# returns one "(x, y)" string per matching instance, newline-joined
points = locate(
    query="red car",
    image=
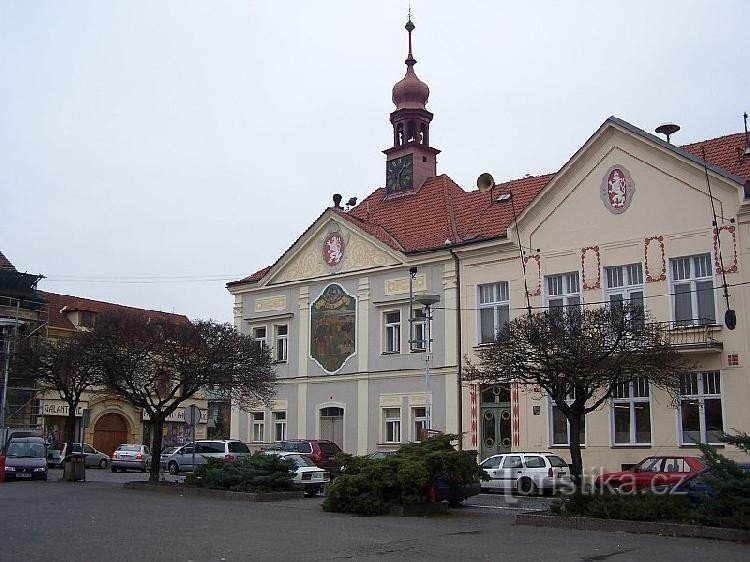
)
(651, 471)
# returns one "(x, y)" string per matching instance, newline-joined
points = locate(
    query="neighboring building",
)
(334, 309)
(23, 314)
(112, 420)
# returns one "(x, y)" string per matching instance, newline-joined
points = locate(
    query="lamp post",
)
(427, 301)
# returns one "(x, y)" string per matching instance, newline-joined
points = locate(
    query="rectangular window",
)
(563, 290)
(701, 420)
(279, 426)
(559, 427)
(420, 331)
(393, 332)
(493, 310)
(392, 418)
(259, 425)
(631, 413)
(282, 342)
(419, 422)
(693, 288)
(624, 283)
(259, 335)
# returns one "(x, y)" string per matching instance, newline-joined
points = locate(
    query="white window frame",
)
(262, 340)
(624, 281)
(392, 425)
(391, 333)
(279, 425)
(702, 386)
(281, 343)
(699, 272)
(258, 424)
(565, 287)
(551, 425)
(419, 344)
(496, 297)
(418, 422)
(628, 395)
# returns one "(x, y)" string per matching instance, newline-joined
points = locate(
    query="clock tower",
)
(411, 159)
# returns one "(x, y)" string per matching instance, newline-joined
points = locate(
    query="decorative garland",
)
(597, 284)
(537, 258)
(731, 230)
(650, 278)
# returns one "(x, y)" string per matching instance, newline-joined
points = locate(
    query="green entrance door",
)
(495, 425)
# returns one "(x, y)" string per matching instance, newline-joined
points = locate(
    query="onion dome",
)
(410, 92)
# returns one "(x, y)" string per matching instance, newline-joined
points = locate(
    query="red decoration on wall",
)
(596, 284)
(728, 268)
(534, 291)
(654, 272)
(515, 408)
(473, 393)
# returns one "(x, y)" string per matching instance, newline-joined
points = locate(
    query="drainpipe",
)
(459, 361)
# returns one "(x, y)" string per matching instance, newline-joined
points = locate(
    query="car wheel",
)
(173, 468)
(146, 468)
(526, 487)
(103, 464)
(114, 469)
(311, 493)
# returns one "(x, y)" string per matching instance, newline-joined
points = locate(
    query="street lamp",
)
(427, 300)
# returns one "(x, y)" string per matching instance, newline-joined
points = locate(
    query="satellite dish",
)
(485, 182)
(730, 319)
(667, 129)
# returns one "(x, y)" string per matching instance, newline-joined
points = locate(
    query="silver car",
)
(94, 459)
(131, 457)
(224, 449)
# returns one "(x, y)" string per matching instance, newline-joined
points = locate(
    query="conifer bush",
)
(256, 473)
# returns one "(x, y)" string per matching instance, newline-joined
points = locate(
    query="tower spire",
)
(410, 60)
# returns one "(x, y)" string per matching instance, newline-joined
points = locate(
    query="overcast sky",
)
(152, 151)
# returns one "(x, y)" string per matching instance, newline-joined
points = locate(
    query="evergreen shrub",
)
(256, 473)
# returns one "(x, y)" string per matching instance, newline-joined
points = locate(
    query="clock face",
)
(399, 174)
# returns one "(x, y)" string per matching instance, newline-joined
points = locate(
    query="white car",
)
(308, 475)
(526, 473)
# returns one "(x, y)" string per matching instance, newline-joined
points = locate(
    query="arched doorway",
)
(332, 425)
(110, 431)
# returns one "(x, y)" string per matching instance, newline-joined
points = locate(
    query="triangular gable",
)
(596, 153)
(332, 245)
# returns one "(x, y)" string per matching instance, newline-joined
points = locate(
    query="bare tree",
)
(64, 365)
(158, 365)
(579, 357)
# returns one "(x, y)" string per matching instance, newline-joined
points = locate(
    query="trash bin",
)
(74, 468)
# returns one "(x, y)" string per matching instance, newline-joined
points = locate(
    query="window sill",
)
(391, 353)
(277, 361)
(694, 446)
(567, 447)
(632, 446)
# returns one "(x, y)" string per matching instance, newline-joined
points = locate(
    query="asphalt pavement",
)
(99, 520)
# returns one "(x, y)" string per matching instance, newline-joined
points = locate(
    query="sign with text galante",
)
(61, 408)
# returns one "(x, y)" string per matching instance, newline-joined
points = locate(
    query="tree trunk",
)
(70, 428)
(157, 430)
(576, 460)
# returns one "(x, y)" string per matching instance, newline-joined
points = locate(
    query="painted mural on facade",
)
(332, 328)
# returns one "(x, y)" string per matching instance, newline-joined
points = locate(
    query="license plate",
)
(23, 475)
(562, 474)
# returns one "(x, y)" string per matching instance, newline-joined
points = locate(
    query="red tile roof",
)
(726, 152)
(441, 210)
(58, 319)
(5, 263)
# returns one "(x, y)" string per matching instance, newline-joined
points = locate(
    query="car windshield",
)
(129, 448)
(169, 450)
(556, 461)
(23, 450)
(299, 460)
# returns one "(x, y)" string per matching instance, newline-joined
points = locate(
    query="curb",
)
(182, 490)
(647, 527)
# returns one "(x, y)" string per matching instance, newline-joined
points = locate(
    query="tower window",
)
(400, 134)
(411, 131)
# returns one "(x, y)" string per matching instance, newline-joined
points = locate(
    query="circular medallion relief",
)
(617, 189)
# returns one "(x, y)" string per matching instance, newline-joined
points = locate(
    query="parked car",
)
(527, 473)
(165, 454)
(320, 451)
(225, 449)
(26, 459)
(650, 472)
(308, 475)
(697, 487)
(131, 457)
(94, 459)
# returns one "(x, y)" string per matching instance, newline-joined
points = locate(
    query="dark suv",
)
(320, 451)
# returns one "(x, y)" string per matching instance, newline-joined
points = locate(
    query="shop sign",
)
(61, 408)
(179, 416)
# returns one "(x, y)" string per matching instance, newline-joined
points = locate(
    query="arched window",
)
(411, 131)
(423, 134)
(399, 140)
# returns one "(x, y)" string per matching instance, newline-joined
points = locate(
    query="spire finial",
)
(410, 60)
